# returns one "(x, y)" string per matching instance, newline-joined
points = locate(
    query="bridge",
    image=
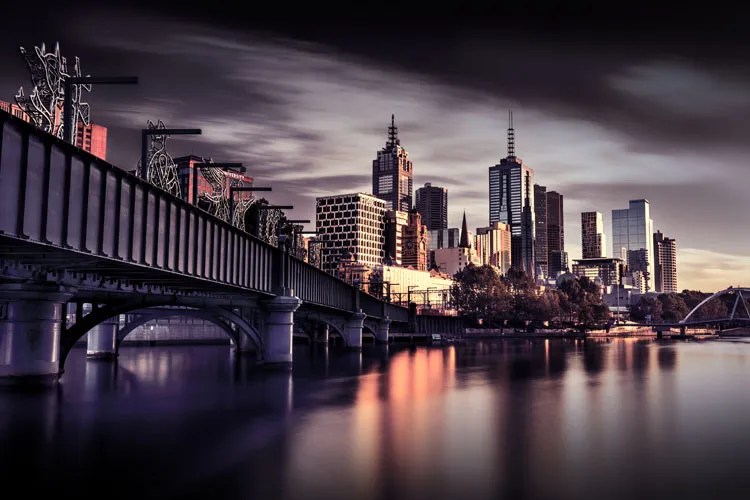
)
(77, 229)
(738, 316)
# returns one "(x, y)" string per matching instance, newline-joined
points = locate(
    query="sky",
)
(607, 107)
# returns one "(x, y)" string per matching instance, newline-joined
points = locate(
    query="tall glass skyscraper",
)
(392, 173)
(557, 259)
(512, 202)
(632, 239)
(540, 230)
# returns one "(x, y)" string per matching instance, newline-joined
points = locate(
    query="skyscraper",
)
(592, 235)
(540, 232)
(512, 202)
(350, 223)
(392, 173)
(632, 234)
(665, 263)
(557, 259)
(432, 205)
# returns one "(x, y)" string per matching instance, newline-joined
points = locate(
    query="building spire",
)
(511, 136)
(464, 242)
(393, 139)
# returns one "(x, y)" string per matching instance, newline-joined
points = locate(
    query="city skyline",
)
(637, 135)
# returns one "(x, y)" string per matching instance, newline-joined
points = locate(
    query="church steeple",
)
(464, 241)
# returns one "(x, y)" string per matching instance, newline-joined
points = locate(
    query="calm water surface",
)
(558, 419)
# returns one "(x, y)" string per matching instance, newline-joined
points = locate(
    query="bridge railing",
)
(55, 194)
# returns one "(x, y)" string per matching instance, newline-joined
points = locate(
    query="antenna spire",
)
(393, 139)
(511, 136)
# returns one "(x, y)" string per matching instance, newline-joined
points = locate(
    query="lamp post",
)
(84, 80)
(160, 131)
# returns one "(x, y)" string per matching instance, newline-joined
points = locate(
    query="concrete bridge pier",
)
(101, 341)
(277, 329)
(381, 332)
(31, 319)
(321, 334)
(353, 330)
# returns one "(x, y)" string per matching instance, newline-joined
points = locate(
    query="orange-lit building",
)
(91, 138)
(185, 168)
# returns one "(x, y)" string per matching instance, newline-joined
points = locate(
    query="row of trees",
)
(671, 307)
(490, 300)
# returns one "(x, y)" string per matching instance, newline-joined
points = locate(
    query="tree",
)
(647, 307)
(581, 302)
(673, 307)
(480, 294)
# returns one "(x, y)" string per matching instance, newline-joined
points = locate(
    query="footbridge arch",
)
(740, 310)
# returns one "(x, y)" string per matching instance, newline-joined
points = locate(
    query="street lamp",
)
(84, 80)
(160, 131)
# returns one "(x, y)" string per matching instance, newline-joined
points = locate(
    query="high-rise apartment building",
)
(392, 173)
(540, 220)
(665, 263)
(592, 235)
(512, 203)
(632, 234)
(557, 259)
(493, 245)
(432, 205)
(350, 223)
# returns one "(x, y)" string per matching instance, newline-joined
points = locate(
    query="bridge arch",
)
(152, 315)
(71, 335)
(740, 304)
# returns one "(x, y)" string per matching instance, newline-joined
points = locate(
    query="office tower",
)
(444, 238)
(512, 203)
(493, 246)
(632, 231)
(392, 173)
(432, 205)
(350, 223)
(557, 259)
(592, 235)
(395, 223)
(665, 263)
(415, 253)
(540, 231)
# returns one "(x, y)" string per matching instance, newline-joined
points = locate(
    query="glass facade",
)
(512, 202)
(555, 234)
(540, 219)
(592, 235)
(632, 231)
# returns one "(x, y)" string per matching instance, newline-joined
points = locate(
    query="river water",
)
(516, 419)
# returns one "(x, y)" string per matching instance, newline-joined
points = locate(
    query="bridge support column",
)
(353, 330)
(31, 319)
(101, 341)
(321, 334)
(277, 329)
(381, 332)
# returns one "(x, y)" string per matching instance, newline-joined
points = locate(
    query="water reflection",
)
(560, 419)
